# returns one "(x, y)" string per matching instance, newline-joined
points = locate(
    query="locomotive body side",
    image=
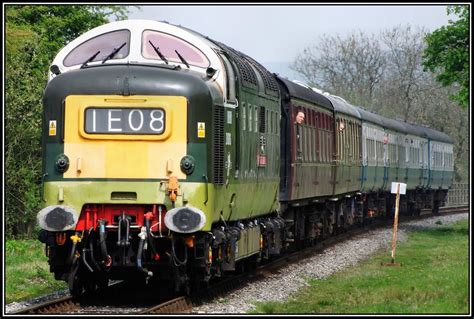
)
(252, 147)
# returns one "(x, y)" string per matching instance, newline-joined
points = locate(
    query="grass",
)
(27, 271)
(433, 279)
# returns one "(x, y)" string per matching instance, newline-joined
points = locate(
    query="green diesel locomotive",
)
(171, 156)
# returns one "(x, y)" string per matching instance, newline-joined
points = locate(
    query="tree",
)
(405, 77)
(388, 80)
(447, 53)
(34, 34)
(351, 66)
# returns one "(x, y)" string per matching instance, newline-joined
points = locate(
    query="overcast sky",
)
(278, 33)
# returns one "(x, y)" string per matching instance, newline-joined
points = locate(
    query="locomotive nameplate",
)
(150, 118)
(124, 120)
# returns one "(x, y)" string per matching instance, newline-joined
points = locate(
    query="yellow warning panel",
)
(201, 130)
(52, 128)
(124, 154)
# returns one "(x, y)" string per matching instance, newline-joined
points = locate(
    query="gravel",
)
(320, 266)
(294, 277)
(16, 306)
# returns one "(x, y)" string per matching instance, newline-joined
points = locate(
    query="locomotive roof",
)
(251, 71)
(197, 51)
(306, 94)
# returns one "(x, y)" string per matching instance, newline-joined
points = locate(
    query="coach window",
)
(401, 153)
(314, 134)
(352, 143)
(323, 138)
(380, 153)
(340, 125)
(103, 45)
(407, 153)
(172, 48)
(442, 157)
(318, 137)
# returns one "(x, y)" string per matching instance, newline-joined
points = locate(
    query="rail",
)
(184, 305)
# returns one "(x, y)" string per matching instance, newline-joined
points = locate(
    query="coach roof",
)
(306, 93)
(437, 135)
(367, 116)
(342, 106)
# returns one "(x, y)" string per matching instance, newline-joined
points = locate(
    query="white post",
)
(395, 224)
(397, 188)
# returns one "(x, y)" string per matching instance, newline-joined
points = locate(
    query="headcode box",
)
(403, 188)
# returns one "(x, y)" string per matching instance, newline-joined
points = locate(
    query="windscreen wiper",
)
(90, 59)
(157, 50)
(181, 58)
(113, 53)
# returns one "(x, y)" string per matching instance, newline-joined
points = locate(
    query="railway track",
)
(183, 304)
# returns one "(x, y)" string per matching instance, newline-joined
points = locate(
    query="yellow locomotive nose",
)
(111, 136)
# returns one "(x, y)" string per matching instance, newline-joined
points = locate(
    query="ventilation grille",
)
(261, 120)
(218, 159)
(245, 69)
(271, 86)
